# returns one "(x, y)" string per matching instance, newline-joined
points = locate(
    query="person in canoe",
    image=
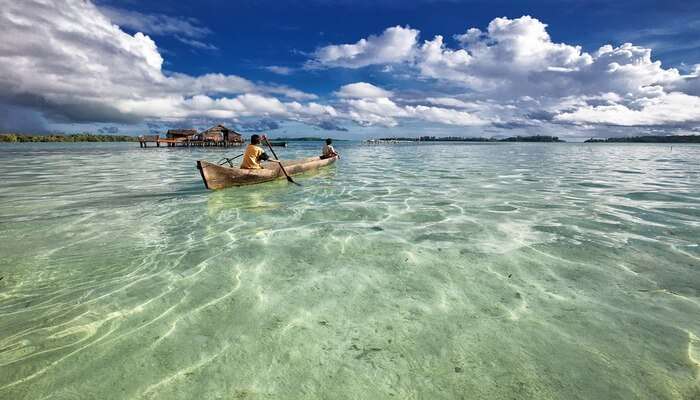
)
(328, 150)
(254, 154)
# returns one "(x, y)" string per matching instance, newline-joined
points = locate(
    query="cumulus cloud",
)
(369, 105)
(362, 90)
(516, 57)
(445, 116)
(395, 44)
(375, 111)
(449, 102)
(672, 108)
(286, 91)
(515, 62)
(71, 62)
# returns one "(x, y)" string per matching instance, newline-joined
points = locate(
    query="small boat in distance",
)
(278, 144)
(219, 177)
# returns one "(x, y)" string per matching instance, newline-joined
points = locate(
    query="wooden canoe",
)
(219, 177)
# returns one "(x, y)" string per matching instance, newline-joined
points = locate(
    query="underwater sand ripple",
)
(540, 271)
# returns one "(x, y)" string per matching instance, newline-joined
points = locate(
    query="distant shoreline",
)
(305, 139)
(79, 137)
(88, 137)
(649, 139)
(535, 138)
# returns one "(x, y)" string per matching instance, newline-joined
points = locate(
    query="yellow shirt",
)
(251, 156)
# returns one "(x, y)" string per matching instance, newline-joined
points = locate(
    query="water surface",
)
(490, 271)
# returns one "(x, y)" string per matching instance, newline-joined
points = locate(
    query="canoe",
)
(218, 176)
(278, 144)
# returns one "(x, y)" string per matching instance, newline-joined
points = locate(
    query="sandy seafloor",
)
(477, 271)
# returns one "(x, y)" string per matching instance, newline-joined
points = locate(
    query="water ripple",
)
(423, 271)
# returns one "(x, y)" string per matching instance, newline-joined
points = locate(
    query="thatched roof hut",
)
(222, 133)
(181, 133)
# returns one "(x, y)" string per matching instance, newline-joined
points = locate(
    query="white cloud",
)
(369, 119)
(73, 63)
(286, 91)
(449, 102)
(395, 44)
(245, 105)
(311, 109)
(375, 109)
(513, 55)
(689, 84)
(445, 116)
(279, 70)
(155, 24)
(362, 90)
(196, 43)
(475, 105)
(516, 59)
(253, 104)
(185, 30)
(672, 108)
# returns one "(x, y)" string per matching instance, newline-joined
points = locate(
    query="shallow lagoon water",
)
(490, 271)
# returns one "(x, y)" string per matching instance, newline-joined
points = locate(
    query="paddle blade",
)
(290, 180)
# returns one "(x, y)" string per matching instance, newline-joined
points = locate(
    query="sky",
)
(352, 69)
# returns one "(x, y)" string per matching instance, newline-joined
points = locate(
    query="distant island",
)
(304, 139)
(649, 139)
(78, 137)
(89, 137)
(535, 138)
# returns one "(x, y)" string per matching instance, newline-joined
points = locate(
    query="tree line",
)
(649, 139)
(78, 137)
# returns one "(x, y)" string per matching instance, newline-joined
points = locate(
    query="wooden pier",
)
(157, 141)
(217, 136)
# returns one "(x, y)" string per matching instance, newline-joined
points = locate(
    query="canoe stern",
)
(203, 174)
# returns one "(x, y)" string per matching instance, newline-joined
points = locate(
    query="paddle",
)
(228, 160)
(289, 178)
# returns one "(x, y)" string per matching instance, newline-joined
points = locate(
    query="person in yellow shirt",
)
(254, 154)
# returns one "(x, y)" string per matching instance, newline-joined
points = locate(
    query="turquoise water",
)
(484, 271)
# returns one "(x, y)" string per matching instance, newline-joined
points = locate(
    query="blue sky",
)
(353, 69)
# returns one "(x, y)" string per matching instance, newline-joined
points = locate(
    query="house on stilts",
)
(217, 136)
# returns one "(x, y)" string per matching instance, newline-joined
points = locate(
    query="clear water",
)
(489, 271)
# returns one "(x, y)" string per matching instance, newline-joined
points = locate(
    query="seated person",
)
(328, 150)
(254, 154)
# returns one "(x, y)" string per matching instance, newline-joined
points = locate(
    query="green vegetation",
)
(649, 139)
(455, 139)
(79, 137)
(304, 139)
(536, 138)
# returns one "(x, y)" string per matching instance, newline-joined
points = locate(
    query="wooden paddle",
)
(228, 160)
(289, 178)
